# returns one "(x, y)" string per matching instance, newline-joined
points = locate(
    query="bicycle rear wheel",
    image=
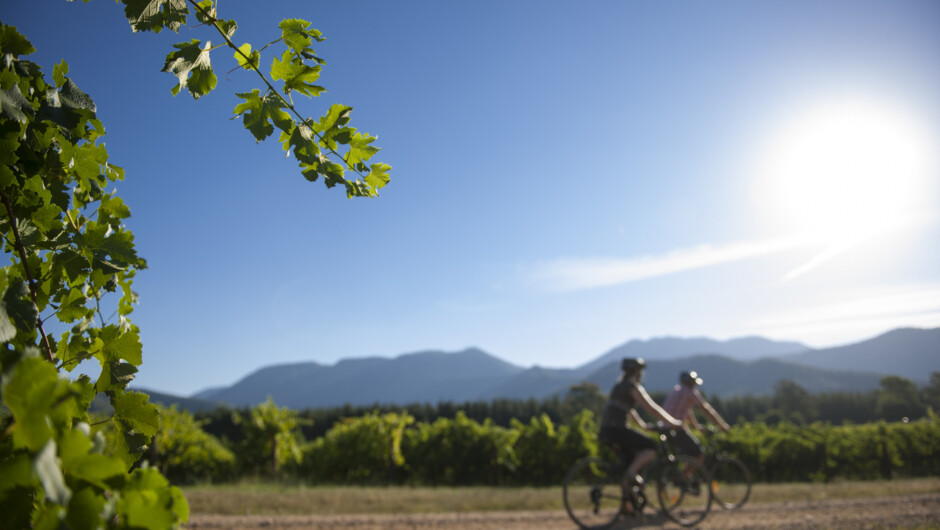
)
(731, 482)
(592, 493)
(682, 487)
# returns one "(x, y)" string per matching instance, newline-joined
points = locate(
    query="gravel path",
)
(884, 512)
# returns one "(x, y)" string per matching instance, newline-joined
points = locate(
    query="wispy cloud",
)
(913, 305)
(849, 241)
(573, 274)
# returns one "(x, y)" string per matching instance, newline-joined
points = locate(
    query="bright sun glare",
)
(846, 170)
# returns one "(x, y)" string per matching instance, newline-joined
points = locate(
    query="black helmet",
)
(688, 378)
(629, 364)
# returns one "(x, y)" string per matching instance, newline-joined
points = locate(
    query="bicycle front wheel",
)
(682, 487)
(592, 493)
(731, 482)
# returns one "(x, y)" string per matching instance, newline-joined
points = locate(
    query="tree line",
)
(532, 442)
(896, 398)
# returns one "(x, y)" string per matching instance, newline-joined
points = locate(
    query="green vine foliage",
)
(66, 294)
(69, 250)
(326, 147)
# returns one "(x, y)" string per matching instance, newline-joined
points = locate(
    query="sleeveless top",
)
(619, 404)
(681, 400)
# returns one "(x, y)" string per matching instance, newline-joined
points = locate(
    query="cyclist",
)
(681, 403)
(626, 394)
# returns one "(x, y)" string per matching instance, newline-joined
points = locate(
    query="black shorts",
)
(686, 443)
(627, 442)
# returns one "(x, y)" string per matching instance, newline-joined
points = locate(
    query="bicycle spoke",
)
(683, 491)
(731, 482)
(592, 493)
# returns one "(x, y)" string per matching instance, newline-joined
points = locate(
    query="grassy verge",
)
(274, 499)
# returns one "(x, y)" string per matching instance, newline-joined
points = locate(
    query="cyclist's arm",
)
(639, 420)
(643, 399)
(711, 413)
(693, 421)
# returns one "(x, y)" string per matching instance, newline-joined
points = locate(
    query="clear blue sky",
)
(566, 177)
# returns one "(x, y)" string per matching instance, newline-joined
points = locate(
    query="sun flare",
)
(844, 170)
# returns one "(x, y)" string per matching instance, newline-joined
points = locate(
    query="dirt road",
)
(884, 512)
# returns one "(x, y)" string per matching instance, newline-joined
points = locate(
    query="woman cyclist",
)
(626, 394)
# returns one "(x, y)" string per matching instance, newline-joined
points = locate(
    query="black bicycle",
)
(730, 478)
(594, 495)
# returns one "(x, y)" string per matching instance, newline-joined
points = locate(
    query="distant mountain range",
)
(751, 365)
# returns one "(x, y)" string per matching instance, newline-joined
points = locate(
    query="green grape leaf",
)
(97, 469)
(84, 393)
(207, 7)
(69, 107)
(360, 149)
(46, 466)
(258, 113)
(114, 248)
(148, 501)
(47, 217)
(71, 97)
(16, 471)
(113, 207)
(192, 66)
(74, 348)
(253, 60)
(72, 307)
(7, 329)
(115, 375)
(337, 116)
(154, 15)
(305, 148)
(31, 394)
(16, 306)
(59, 72)
(134, 412)
(377, 177)
(85, 509)
(13, 43)
(228, 27)
(296, 75)
(13, 106)
(120, 344)
(74, 443)
(297, 34)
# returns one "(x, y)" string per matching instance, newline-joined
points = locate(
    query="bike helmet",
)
(629, 364)
(689, 377)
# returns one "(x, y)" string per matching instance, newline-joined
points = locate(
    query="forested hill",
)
(729, 368)
(430, 376)
(909, 353)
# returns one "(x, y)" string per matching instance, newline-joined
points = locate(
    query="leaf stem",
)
(288, 104)
(21, 249)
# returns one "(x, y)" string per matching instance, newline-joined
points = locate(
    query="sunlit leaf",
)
(246, 58)
(115, 375)
(378, 176)
(13, 43)
(192, 66)
(134, 412)
(297, 34)
(154, 15)
(297, 76)
(259, 113)
(13, 106)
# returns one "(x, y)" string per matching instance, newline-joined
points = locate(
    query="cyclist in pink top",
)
(680, 403)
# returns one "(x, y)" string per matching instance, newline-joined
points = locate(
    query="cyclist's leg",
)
(614, 438)
(644, 450)
(631, 447)
(689, 444)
